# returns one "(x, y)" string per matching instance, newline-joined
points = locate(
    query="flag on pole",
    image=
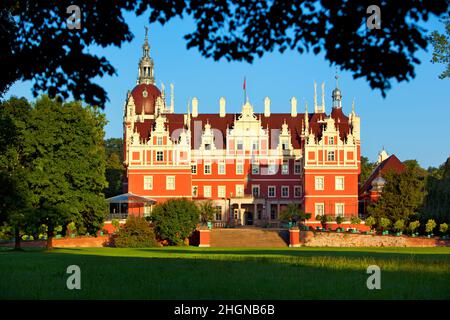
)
(245, 90)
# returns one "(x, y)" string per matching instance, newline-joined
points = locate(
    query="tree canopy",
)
(58, 167)
(403, 194)
(37, 45)
(441, 46)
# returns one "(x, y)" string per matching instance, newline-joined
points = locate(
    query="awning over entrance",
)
(123, 204)
(130, 198)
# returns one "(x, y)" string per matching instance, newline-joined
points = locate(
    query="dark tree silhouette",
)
(36, 45)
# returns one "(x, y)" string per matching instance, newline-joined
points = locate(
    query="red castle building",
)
(250, 164)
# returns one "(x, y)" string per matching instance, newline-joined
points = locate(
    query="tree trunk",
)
(17, 238)
(50, 238)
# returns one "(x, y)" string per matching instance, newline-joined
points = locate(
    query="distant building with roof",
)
(372, 188)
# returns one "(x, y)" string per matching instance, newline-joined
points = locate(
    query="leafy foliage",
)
(443, 227)
(175, 220)
(136, 233)
(413, 225)
(114, 166)
(384, 223)
(355, 220)
(430, 225)
(399, 225)
(437, 201)
(441, 46)
(370, 222)
(36, 44)
(366, 169)
(207, 211)
(61, 172)
(291, 213)
(402, 195)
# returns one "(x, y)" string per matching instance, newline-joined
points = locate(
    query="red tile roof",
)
(391, 163)
(275, 121)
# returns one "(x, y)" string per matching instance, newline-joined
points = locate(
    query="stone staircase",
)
(249, 237)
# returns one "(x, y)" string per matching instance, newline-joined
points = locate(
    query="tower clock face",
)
(145, 93)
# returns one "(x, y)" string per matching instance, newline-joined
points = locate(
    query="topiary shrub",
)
(175, 220)
(370, 222)
(136, 233)
(355, 220)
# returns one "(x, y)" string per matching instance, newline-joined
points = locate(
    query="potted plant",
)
(370, 222)
(291, 214)
(71, 227)
(399, 226)
(413, 225)
(429, 227)
(207, 211)
(443, 227)
(384, 224)
(339, 220)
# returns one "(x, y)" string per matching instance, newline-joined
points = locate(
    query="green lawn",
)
(213, 273)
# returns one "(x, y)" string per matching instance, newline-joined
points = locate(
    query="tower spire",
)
(337, 95)
(146, 63)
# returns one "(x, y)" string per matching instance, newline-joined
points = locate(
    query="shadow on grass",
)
(31, 275)
(309, 252)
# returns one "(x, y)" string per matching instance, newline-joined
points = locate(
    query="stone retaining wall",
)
(334, 239)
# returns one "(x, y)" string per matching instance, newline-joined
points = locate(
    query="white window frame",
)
(239, 142)
(159, 153)
(316, 206)
(255, 166)
(239, 187)
(256, 186)
(299, 166)
(221, 191)
(222, 165)
(329, 153)
(168, 186)
(207, 194)
(148, 182)
(336, 206)
(159, 141)
(284, 165)
(274, 191)
(331, 141)
(316, 183)
(210, 168)
(193, 168)
(272, 168)
(240, 165)
(295, 191)
(336, 183)
(285, 188)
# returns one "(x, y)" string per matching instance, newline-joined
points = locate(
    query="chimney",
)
(222, 103)
(194, 107)
(293, 107)
(267, 107)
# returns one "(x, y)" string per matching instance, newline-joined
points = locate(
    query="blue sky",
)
(413, 121)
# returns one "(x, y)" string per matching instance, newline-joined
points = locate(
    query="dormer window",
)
(240, 145)
(330, 140)
(207, 146)
(159, 141)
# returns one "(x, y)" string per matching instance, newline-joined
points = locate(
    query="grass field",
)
(213, 273)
